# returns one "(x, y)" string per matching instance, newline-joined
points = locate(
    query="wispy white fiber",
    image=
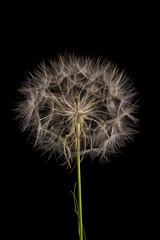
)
(98, 93)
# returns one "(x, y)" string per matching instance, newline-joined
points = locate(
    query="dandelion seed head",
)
(98, 94)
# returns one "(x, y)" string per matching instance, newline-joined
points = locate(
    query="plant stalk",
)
(79, 180)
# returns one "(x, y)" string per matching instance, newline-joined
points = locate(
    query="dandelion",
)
(78, 106)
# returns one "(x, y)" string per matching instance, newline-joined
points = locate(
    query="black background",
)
(116, 195)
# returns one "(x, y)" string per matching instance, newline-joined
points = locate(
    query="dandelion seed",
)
(99, 95)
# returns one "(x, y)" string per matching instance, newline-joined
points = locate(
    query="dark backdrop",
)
(38, 202)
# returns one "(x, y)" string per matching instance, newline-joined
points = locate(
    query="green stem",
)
(79, 180)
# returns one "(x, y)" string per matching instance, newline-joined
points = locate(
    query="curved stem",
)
(79, 179)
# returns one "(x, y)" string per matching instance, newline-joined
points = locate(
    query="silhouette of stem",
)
(79, 179)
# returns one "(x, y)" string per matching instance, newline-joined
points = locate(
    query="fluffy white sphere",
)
(70, 88)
